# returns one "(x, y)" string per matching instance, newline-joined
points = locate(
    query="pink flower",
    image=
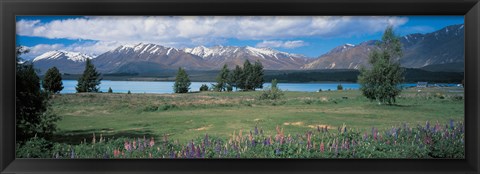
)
(322, 147)
(152, 142)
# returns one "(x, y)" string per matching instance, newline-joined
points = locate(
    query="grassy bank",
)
(185, 117)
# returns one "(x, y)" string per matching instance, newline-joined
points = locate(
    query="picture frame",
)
(9, 9)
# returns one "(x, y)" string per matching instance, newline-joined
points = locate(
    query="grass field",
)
(184, 117)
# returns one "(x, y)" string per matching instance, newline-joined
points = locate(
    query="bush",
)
(339, 87)
(35, 148)
(272, 93)
(110, 90)
(204, 87)
(129, 92)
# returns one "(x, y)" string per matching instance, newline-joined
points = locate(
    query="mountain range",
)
(430, 51)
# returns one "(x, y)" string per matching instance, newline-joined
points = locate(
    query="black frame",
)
(10, 8)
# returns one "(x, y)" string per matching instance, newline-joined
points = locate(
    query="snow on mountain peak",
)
(61, 54)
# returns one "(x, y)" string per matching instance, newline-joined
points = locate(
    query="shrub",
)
(339, 87)
(129, 92)
(110, 90)
(35, 148)
(204, 87)
(272, 93)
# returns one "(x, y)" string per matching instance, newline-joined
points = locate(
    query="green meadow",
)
(184, 117)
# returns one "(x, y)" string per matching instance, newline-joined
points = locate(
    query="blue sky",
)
(307, 35)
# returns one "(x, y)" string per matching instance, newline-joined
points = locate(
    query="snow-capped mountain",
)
(65, 61)
(443, 48)
(61, 54)
(147, 58)
(233, 55)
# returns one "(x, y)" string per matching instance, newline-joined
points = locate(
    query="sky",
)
(311, 36)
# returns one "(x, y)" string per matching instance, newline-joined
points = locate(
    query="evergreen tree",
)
(257, 75)
(236, 78)
(247, 76)
(31, 103)
(381, 81)
(222, 79)
(204, 87)
(110, 90)
(53, 81)
(90, 79)
(182, 82)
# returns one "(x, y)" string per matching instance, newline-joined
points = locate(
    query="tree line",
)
(246, 78)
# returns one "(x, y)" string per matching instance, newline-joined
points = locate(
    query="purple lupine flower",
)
(206, 141)
(427, 125)
(256, 130)
(277, 151)
(218, 148)
(452, 126)
(72, 153)
(336, 149)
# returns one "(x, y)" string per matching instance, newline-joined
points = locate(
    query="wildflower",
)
(427, 140)
(134, 144)
(427, 125)
(277, 151)
(93, 139)
(452, 126)
(72, 153)
(365, 136)
(205, 140)
(126, 145)
(256, 130)
(152, 142)
(322, 147)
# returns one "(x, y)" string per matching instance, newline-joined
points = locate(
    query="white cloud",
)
(108, 32)
(282, 44)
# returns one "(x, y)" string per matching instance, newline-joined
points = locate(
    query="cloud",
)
(282, 44)
(183, 30)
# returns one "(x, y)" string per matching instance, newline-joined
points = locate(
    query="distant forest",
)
(411, 76)
(287, 76)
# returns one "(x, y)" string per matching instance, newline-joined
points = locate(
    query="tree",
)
(33, 117)
(90, 79)
(182, 82)
(272, 93)
(236, 78)
(247, 78)
(53, 81)
(222, 79)
(257, 75)
(204, 87)
(381, 81)
(110, 90)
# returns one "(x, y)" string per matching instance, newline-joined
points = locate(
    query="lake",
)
(167, 87)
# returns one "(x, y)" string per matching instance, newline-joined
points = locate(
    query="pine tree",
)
(53, 80)
(182, 82)
(381, 81)
(236, 78)
(222, 79)
(247, 76)
(257, 75)
(32, 108)
(90, 79)
(110, 90)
